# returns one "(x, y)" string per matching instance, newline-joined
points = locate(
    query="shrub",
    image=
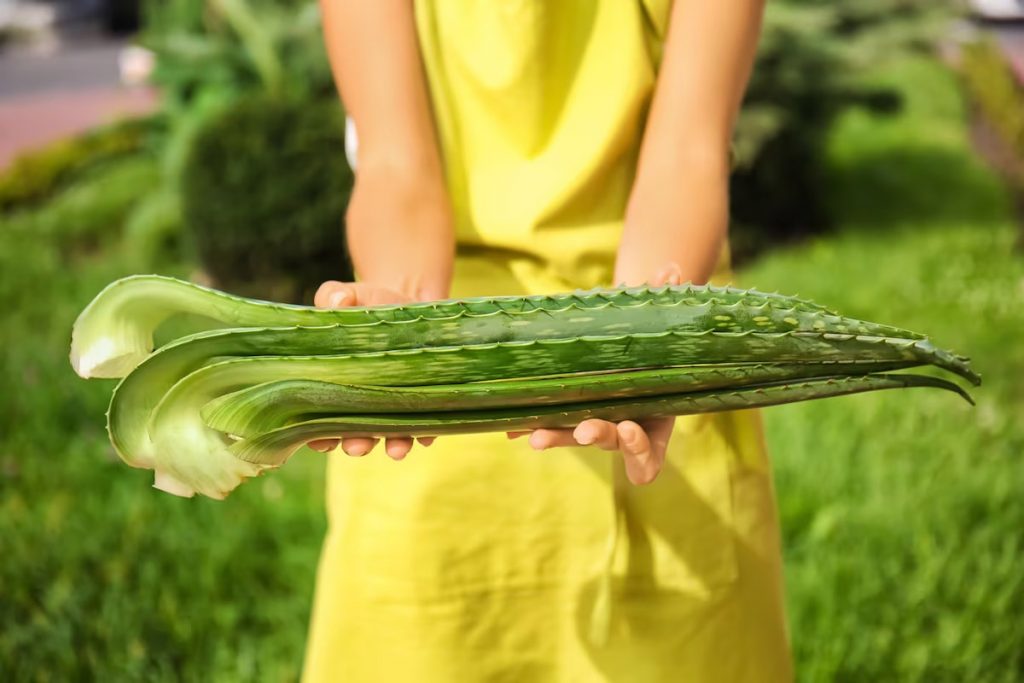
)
(264, 190)
(90, 211)
(38, 174)
(221, 49)
(811, 57)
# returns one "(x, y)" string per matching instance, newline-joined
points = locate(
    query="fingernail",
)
(339, 299)
(357, 451)
(584, 440)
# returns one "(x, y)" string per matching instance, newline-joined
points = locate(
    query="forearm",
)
(400, 234)
(374, 55)
(679, 216)
(678, 209)
(399, 223)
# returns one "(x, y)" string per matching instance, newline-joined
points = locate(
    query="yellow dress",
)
(478, 559)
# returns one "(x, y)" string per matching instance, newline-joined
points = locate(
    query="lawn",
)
(903, 514)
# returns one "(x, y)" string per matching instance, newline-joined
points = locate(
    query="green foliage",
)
(38, 174)
(225, 48)
(153, 228)
(103, 580)
(225, 62)
(809, 71)
(90, 212)
(903, 521)
(264, 189)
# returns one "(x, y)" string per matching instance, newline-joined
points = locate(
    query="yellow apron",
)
(478, 559)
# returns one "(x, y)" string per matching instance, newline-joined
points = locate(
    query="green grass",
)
(101, 577)
(903, 514)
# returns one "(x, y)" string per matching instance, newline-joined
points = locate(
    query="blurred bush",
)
(262, 197)
(220, 49)
(39, 174)
(264, 190)
(88, 213)
(809, 69)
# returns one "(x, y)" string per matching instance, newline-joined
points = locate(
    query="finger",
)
(636, 452)
(516, 435)
(373, 295)
(334, 294)
(542, 439)
(600, 433)
(425, 440)
(671, 274)
(323, 445)
(659, 431)
(358, 446)
(397, 448)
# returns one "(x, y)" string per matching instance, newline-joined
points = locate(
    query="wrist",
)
(408, 164)
(685, 223)
(402, 178)
(400, 232)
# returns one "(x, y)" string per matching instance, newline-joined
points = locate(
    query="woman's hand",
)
(334, 294)
(400, 237)
(643, 443)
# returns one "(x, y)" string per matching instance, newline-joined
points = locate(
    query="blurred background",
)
(880, 170)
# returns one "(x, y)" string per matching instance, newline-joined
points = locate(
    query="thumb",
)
(333, 294)
(671, 274)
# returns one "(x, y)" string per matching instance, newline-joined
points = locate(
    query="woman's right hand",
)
(333, 294)
(402, 244)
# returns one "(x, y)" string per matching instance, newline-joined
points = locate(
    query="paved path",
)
(75, 61)
(45, 96)
(34, 120)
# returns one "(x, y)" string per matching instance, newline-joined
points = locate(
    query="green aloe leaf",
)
(272, 449)
(248, 366)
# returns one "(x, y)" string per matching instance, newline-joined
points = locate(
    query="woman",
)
(523, 146)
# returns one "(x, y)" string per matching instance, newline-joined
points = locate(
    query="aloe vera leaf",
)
(137, 395)
(271, 405)
(139, 392)
(178, 445)
(273, 449)
(115, 331)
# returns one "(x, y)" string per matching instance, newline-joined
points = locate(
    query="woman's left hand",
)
(643, 443)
